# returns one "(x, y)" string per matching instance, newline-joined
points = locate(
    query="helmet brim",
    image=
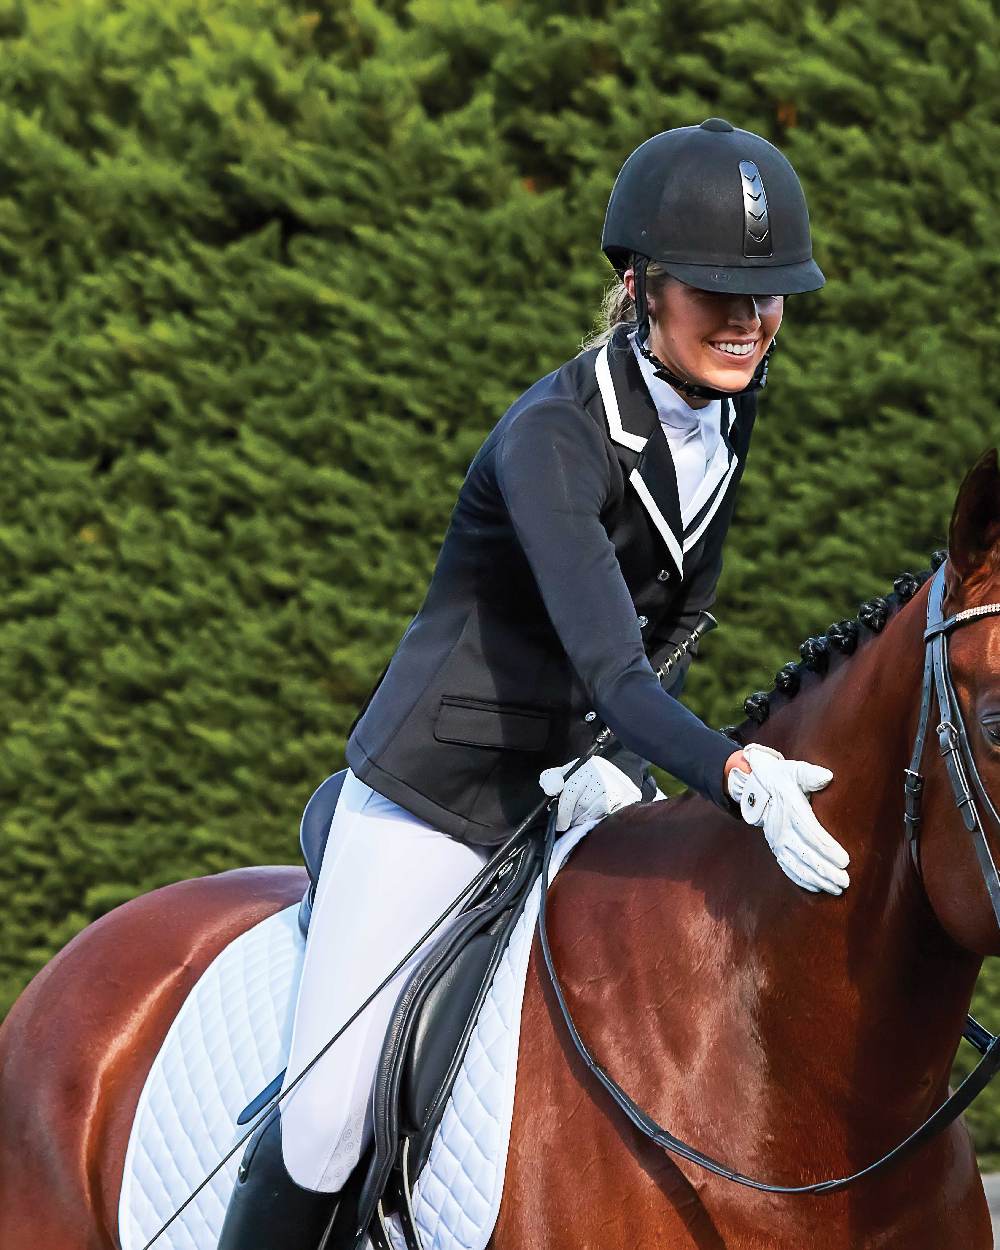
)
(794, 279)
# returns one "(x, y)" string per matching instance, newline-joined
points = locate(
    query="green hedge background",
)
(270, 274)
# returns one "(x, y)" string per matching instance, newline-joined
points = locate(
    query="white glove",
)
(773, 795)
(594, 791)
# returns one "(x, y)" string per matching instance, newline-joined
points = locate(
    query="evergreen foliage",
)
(272, 272)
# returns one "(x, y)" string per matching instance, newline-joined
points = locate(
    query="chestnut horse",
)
(795, 1036)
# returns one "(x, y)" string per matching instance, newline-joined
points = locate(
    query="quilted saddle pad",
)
(232, 1037)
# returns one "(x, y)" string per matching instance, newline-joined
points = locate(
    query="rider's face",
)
(688, 327)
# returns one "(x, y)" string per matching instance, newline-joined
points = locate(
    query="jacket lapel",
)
(654, 479)
(628, 408)
(634, 426)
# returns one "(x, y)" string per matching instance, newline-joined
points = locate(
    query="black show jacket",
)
(565, 568)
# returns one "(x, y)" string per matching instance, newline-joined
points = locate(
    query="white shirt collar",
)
(673, 409)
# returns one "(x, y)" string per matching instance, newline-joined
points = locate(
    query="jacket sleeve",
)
(554, 475)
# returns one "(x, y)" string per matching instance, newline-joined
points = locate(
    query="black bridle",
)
(952, 739)
(957, 753)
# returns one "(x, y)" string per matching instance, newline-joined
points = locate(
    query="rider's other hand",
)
(595, 790)
(773, 796)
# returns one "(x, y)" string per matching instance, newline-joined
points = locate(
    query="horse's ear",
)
(975, 523)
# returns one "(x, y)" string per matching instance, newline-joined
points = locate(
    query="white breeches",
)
(385, 876)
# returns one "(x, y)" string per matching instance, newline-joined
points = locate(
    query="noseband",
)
(957, 754)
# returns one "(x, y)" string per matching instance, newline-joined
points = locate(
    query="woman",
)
(586, 539)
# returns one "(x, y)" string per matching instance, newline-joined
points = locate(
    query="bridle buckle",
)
(913, 788)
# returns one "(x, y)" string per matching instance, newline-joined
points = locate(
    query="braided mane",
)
(842, 637)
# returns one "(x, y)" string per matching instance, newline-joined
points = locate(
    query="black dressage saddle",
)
(314, 829)
(433, 1019)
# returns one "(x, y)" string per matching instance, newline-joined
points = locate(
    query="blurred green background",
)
(270, 274)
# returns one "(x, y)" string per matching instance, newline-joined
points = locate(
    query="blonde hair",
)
(618, 307)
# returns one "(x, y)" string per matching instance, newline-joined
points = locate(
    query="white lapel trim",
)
(611, 410)
(658, 519)
(690, 541)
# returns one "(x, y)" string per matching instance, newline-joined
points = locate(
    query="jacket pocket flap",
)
(480, 723)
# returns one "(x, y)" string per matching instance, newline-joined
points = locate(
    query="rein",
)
(499, 865)
(957, 753)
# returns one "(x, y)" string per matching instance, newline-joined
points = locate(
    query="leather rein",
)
(954, 744)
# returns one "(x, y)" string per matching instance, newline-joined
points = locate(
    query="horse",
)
(795, 1036)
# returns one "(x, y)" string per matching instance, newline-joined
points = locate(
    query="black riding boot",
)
(268, 1211)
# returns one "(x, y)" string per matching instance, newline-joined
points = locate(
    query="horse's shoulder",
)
(648, 841)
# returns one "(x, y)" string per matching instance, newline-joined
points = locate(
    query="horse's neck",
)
(791, 1021)
(874, 962)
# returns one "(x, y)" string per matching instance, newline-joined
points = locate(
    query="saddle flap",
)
(447, 1006)
(454, 976)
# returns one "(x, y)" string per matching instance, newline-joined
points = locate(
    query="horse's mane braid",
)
(842, 636)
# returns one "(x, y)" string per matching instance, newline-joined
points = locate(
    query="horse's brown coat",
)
(794, 1036)
(77, 1046)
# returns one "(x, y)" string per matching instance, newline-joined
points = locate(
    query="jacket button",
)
(663, 575)
(643, 622)
(590, 716)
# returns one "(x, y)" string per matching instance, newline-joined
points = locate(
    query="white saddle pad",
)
(232, 1037)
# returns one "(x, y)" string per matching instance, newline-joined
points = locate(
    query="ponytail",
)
(618, 307)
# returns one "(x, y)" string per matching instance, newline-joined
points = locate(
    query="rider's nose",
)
(743, 312)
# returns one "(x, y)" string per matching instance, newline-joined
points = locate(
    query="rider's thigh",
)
(385, 876)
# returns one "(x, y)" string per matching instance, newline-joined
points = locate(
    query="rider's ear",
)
(975, 523)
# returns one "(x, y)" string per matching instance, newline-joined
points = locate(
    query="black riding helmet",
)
(719, 208)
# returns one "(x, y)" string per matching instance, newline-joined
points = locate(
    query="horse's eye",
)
(991, 728)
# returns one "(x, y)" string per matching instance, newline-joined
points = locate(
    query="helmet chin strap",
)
(695, 389)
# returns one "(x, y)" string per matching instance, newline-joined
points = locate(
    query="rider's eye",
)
(991, 728)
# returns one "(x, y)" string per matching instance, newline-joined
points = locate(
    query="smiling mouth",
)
(735, 351)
